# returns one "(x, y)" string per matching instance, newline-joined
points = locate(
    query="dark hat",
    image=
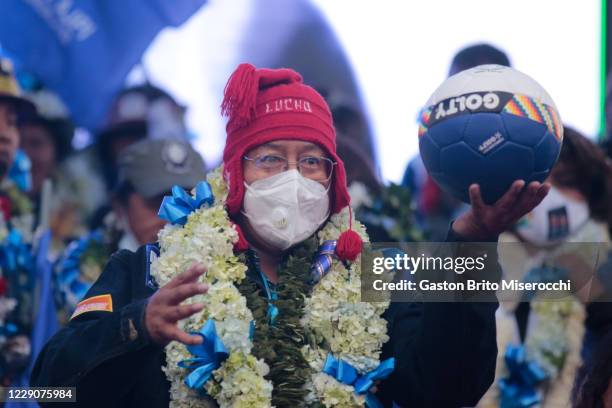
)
(10, 91)
(153, 167)
(145, 110)
(52, 114)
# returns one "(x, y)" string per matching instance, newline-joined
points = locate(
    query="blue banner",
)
(84, 49)
(45, 321)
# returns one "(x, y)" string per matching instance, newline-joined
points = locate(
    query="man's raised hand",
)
(485, 222)
(164, 309)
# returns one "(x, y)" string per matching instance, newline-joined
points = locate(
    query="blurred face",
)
(141, 216)
(38, 144)
(9, 137)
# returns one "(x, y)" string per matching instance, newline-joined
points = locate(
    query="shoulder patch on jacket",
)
(100, 303)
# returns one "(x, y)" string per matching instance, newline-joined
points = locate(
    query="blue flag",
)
(84, 49)
(45, 322)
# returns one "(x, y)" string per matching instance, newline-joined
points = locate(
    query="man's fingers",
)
(185, 291)
(190, 340)
(507, 201)
(183, 311)
(541, 193)
(190, 275)
(475, 198)
(532, 189)
(527, 199)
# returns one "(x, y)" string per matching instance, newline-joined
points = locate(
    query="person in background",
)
(46, 138)
(561, 335)
(385, 209)
(582, 186)
(434, 207)
(147, 171)
(607, 131)
(16, 235)
(595, 390)
(477, 54)
(139, 112)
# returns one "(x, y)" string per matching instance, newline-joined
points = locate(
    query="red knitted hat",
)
(263, 105)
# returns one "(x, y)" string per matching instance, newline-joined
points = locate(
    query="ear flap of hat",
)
(341, 195)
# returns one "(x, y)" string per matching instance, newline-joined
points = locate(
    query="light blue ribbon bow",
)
(68, 277)
(176, 208)
(208, 357)
(15, 252)
(347, 374)
(20, 171)
(519, 389)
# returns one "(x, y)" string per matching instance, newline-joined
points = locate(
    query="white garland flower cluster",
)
(352, 330)
(333, 316)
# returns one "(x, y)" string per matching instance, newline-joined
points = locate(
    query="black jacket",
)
(445, 352)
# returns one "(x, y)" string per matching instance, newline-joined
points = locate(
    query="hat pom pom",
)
(241, 245)
(240, 95)
(349, 245)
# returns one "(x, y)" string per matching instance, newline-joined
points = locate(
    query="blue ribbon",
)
(20, 171)
(272, 313)
(208, 357)
(15, 252)
(176, 208)
(323, 261)
(69, 283)
(347, 374)
(8, 330)
(518, 390)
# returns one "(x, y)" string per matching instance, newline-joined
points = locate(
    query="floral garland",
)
(340, 330)
(16, 274)
(388, 213)
(76, 271)
(550, 355)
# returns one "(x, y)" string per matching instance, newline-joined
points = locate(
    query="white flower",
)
(333, 316)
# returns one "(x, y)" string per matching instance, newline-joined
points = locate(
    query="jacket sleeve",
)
(445, 353)
(95, 350)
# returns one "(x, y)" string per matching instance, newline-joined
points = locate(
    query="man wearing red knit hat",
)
(249, 299)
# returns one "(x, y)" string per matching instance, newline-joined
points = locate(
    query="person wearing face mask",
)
(281, 189)
(578, 209)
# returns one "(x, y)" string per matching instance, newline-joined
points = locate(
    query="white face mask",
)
(554, 219)
(286, 208)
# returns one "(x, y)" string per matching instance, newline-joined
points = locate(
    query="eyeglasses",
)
(312, 167)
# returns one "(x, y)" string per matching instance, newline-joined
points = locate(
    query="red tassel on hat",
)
(241, 245)
(349, 242)
(240, 95)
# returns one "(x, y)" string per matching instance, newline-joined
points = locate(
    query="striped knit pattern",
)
(424, 120)
(524, 106)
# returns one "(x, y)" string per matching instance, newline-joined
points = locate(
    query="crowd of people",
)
(77, 225)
